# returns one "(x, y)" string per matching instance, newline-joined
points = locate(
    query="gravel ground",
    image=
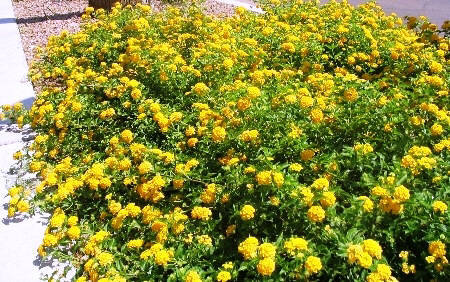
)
(38, 19)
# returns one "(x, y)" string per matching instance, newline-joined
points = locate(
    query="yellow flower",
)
(50, 240)
(379, 191)
(316, 214)
(313, 264)
(223, 276)
(264, 177)
(288, 46)
(436, 129)
(145, 167)
(162, 257)
(127, 136)
(218, 134)
(81, 279)
(404, 255)
(249, 247)
(267, 250)
(17, 155)
(105, 258)
(125, 164)
(57, 219)
(89, 10)
(228, 63)
(72, 220)
(290, 99)
(296, 167)
(401, 193)
(243, 104)
(192, 276)
(437, 249)
(266, 266)
(307, 155)
(204, 240)
(430, 259)
(275, 201)
(114, 207)
(350, 95)
(321, 184)
(135, 244)
(439, 206)
(372, 248)
(365, 260)
(136, 94)
(367, 204)
(384, 271)
(295, 131)
(253, 92)
(192, 142)
(416, 121)
(201, 213)
(295, 244)
(278, 179)
(228, 265)
(74, 232)
(435, 67)
(23, 206)
(200, 88)
(306, 102)
(247, 212)
(328, 199)
(249, 135)
(316, 115)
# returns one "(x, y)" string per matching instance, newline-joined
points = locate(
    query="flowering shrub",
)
(308, 142)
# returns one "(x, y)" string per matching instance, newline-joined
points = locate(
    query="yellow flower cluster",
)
(437, 251)
(176, 145)
(418, 159)
(363, 253)
(247, 212)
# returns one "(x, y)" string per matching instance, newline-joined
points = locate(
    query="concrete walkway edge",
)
(14, 85)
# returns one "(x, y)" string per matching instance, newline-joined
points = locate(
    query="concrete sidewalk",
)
(14, 85)
(19, 236)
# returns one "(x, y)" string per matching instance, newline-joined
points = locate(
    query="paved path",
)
(14, 86)
(19, 236)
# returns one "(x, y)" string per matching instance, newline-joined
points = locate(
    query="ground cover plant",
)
(306, 143)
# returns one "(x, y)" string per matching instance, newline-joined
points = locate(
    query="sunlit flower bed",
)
(306, 143)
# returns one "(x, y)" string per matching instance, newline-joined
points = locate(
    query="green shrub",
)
(309, 142)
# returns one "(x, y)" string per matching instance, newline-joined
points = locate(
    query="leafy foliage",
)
(308, 142)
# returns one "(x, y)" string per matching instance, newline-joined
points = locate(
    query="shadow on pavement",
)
(7, 20)
(28, 102)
